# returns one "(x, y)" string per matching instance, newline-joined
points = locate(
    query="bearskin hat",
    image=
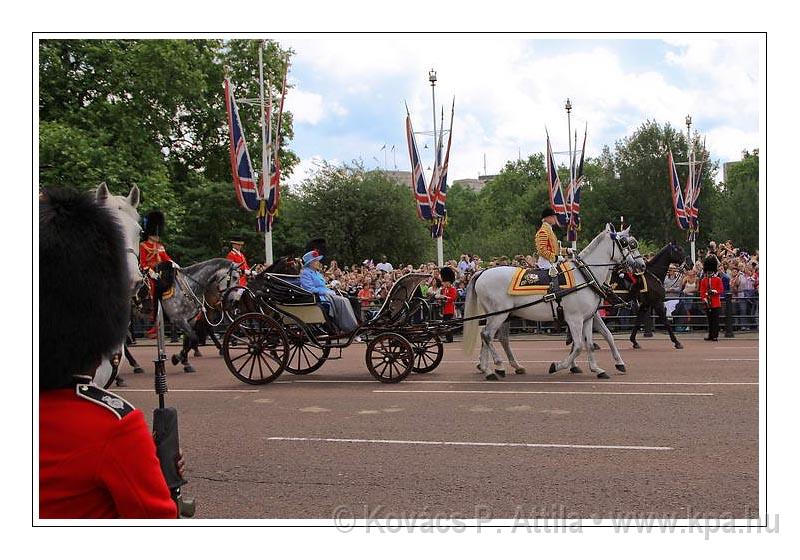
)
(710, 264)
(153, 223)
(448, 274)
(548, 212)
(84, 297)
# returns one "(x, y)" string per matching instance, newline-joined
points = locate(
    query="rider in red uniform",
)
(236, 255)
(151, 253)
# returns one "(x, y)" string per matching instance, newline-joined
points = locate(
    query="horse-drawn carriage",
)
(286, 330)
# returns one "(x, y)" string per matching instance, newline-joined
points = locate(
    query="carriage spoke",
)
(240, 356)
(244, 363)
(252, 366)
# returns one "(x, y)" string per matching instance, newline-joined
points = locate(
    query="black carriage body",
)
(395, 342)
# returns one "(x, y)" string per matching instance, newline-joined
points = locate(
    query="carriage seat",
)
(284, 292)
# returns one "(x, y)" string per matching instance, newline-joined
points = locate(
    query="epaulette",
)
(114, 403)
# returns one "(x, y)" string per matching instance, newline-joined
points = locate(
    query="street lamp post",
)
(690, 149)
(568, 107)
(432, 79)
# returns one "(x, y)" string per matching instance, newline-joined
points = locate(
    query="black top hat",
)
(710, 264)
(154, 223)
(238, 240)
(84, 301)
(318, 245)
(548, 212)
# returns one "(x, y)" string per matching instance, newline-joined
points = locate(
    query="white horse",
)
(487, 292)
(123, 208)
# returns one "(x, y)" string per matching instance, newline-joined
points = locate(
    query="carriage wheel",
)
(260, 352)
(303, 357)
(389, 358)
(428, 353)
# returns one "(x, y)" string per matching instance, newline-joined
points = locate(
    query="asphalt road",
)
(677, 436)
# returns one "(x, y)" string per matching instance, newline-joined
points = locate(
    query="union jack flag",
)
(677, 195)
(554, 187)
(690, 198)
(241, 167)
(418, 175)
(439, 198)
(575, 208)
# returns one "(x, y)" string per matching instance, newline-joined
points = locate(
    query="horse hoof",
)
(197, 354)
(679, 346)
(500, 372)
(552, 368)
(138, 369)
(120, 382)
(648, 335)
(492, 377)
(176, 359)
(575, 369)
(189, 369)
(595, 346)
(620, 367)
(520, 371)
(636, 346)
(603, 375)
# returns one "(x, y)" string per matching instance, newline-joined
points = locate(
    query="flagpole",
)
(568, 107)
(265, 159)
(691, 178)
(432, 78)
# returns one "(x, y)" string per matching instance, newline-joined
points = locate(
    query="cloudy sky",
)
(349, 93)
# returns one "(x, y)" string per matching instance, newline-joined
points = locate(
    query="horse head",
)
(676, 253)
(628, 249)
(124, 210)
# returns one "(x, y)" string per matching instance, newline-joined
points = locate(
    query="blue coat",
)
(314, 282)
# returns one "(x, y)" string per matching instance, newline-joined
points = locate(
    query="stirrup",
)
(550, 296)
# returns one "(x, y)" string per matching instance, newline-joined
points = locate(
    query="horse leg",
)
(576, 328)
(215, 340)
(493, 324)
(588, 328)
(131, 360)
(189, 342)
(662, 316)
(638, 323)
(504, 341)
(602, 328)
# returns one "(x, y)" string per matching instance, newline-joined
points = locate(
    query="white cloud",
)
(311, 108)
(508, 89)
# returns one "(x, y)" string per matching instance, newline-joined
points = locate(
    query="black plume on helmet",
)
(448, 274)
(84, 297)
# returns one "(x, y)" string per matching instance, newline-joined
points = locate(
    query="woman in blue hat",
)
(311, 279)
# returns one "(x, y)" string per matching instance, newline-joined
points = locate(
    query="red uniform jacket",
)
(151, 253)
(97, 459)
(449, 307)
(239, 258)
(709, 285)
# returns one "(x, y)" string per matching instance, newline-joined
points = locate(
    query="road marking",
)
(189, 391)
(314, 409)
(723, 347)
(731, 359)
(603, 393)
(573, 382)
(473, 443)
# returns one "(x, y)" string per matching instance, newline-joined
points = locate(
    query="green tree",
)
(736, 210)
(361, 214)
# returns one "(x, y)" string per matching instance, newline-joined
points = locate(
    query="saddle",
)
(536, 281)
(165, 284)
(621, 283)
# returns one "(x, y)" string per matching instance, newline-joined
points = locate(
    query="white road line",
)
(730, 359)
(474, 443)
(483, 382)
(188, 391)
(591, 393)
(723, 347)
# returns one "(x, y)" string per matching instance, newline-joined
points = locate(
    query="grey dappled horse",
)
(124, 210)
(196, 287)
(487, 292)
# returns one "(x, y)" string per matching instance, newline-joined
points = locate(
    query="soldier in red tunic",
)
(711, 292)
(152, 253)
(97, 458)
(236, 255)
(448, 296)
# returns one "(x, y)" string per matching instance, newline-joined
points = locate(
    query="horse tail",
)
(472, 308)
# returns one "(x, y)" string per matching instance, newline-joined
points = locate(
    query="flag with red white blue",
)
(554, 187)
(418, 175)
(244, 183)
(575, 208)
(677, 196)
